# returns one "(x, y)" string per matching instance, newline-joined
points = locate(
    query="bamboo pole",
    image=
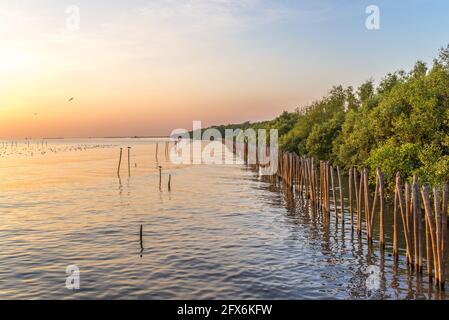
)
(444, 208)
(312, 183)
(409, 221)
(316, 187)
(429, 255)
(431, 226)
(333, 193)
(129, 162)
(312, 174)
(402, 208)
(395, 224)
(301, 178)
(160, 177)
(367, 204)
(321, 189)
(420, 220)
(357, 199)
(373, 209)
(328, 199)
(141, 240)
(340, 188)
(351, 213)
(416, 225)
(437, 208)
(119, 162)
(306, 181)
(382, 208)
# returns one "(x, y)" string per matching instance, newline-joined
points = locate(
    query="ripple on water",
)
(221, 233)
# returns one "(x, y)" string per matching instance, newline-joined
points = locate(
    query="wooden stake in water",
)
(431, 227)
(408, 222)
(444, 213)
(334, 198)
(328, 198)
(129, 162)
(160, 177)
(340, 187)
(141, 240)
(395, 223)
(382, 208)
(429, 256)
(169, 182)
(417, 224)
(351, 213)
(375, 200)
(119, 162)
(357, 200)
(367, 204)
(437, 206)
(362, 172)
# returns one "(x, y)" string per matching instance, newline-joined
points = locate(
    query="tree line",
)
(400, 124)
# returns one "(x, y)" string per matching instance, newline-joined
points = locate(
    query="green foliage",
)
(319, 141)
(391, 159)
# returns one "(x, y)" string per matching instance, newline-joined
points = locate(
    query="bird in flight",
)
(71, 99)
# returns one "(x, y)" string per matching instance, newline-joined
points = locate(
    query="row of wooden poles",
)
(167, 148)
(422, 212)
(413, 206)
(318, 184)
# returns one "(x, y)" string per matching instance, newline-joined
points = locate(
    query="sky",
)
(140, 67)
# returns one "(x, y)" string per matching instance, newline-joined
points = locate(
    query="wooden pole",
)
(373, 210)
(129, 162)
(306, 170)
(169, 182)
(141, 240)
(382, 208)
(160, 177)
(333, 193)
(431, 224)
(417, 222)
(444, 208)
(395, 222)
(315, 185)
(437, 206)
(357, 200)
(429, 256)
(328, 199)
(351, 213)
(367, 204)
(340, 188)
(404, 217)
(408, 221)
(119, 162)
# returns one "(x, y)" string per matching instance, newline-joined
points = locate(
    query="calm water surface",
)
(221, 233)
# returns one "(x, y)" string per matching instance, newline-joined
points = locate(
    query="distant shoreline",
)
(67, 138)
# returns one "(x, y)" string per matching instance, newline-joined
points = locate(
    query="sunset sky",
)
(140, 67)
